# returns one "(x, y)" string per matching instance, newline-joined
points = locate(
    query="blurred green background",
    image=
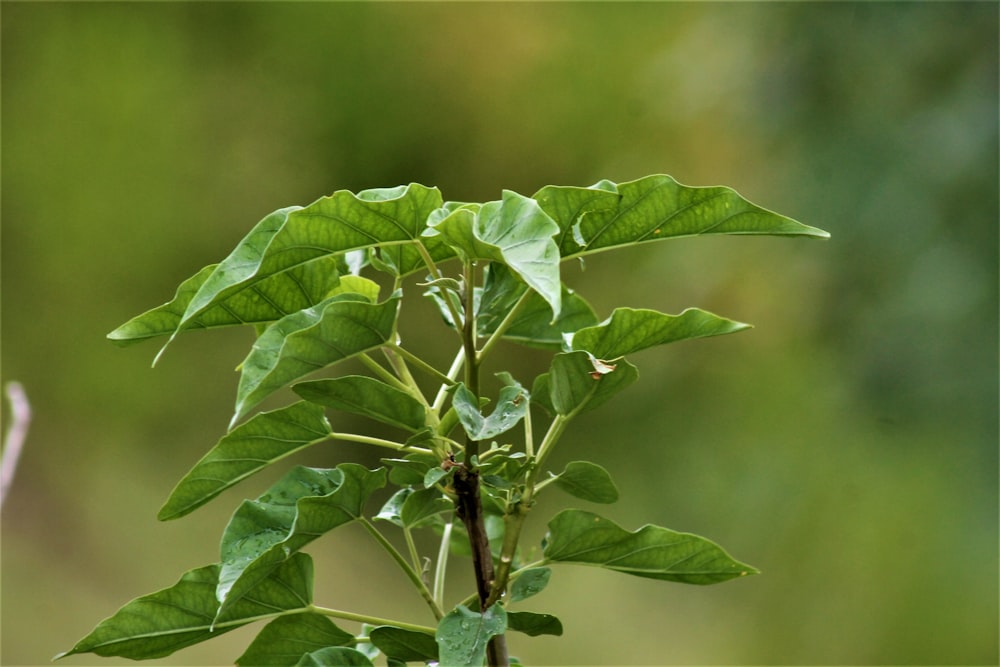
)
(847, 446)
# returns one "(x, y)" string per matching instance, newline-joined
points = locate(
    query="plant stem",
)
(424, 366)
(371, 620)
(380, 371)
(504, 325)
(379, 442)
(441, 567)
(410, 572)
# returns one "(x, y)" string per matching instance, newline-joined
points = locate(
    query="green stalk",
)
(364, 618)
(410, 572)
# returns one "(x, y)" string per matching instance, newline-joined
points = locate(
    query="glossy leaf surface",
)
(303, 505)
(514, 231)
(630, 330)
(653, 208)
(311, 339)
(462, 635)
(581, 537)
(283, 641)
(367, 397)
(262, 440)
(587, 481)
(168, 620)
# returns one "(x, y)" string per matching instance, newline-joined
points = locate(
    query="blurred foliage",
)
(847, 446)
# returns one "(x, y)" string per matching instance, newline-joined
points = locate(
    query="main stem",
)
(469, 502)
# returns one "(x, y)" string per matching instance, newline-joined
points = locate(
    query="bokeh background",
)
(847, 446)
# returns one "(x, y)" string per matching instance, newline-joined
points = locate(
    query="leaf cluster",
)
(311, 283)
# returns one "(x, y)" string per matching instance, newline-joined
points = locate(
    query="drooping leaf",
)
(533, 624)
(368, 397)
(530, 582)
(283, 641)
(462, 635)
(339, 656)
(512, 404)
(311, 339)
(303, 505)
(250, 447)
(577, 382)
(514, 231)
(630, 330)
(404, 645)
(653, 208)
(587, 481)
(581, 537)
(158, 624)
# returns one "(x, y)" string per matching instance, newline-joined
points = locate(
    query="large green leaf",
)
(331, 225)
(577, 382)
(267, 300)
(284, 641)
(303, 342)
(514, 231)
(250, 447)
(158, 624)
(630, 330)
(653, 208)
(303, 505)
(462, 635)
(368, 397)
(581, 537)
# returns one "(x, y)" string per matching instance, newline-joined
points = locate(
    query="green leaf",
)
(303, 505)
(338, 656)
(587, 481)
(581, 537)
(391, 509)
(422, 505)
(331, 225)
(533, 324)
(530, 582)
(411, 469)
(462, 635)
(514, 231)
(284, 641)
(265, 301)
(653, 208)
(577, 382)
(368, 397)
(404, 645)
(630, 330)
(158, 624)
(311, 339)
(512, 404)
(262, 440)
(533, 624)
